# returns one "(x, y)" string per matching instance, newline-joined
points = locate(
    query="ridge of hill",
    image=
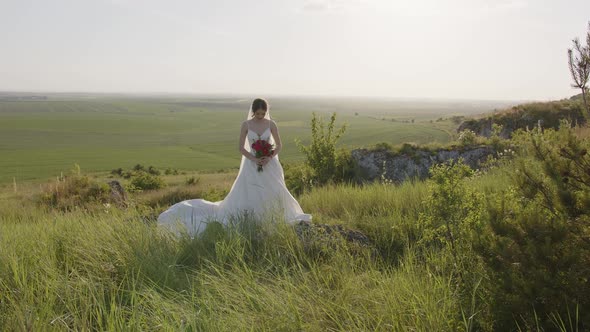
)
(528, 115)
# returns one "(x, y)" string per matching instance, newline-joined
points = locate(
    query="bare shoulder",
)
(244, 125)
(273, 124)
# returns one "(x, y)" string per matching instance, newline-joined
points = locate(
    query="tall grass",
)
(387, 214)
(345, 201)
(111, 271)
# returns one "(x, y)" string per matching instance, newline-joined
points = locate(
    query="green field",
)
(41, 139)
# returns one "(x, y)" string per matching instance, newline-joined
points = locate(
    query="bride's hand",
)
(264, 160)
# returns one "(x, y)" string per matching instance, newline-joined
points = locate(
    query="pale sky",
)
(473, 49)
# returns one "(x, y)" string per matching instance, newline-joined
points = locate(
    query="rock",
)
(400, 167)
(118, 194)
(311, 231)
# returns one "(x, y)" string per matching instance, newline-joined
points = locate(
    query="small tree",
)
(321, 155)
(579, 64)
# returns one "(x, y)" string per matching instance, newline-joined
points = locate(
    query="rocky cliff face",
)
(400, 167)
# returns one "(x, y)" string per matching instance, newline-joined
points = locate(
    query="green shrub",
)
(383, 146)
(408, 149)
(537, 245)
(117, 171)
(451, 203)
(138, 167)
(496, 141)
(193, 180)
(146, 181)
(153, 171)
(298, 178)
(450, 224)
(453, 217)
(76, 191)
(467, 137)
(171, 171)
(346, 169)
(326, 163)
(457, 119)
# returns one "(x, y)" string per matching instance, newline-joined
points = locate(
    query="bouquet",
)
(263, 149)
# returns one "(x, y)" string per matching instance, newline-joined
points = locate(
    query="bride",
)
(261, 194)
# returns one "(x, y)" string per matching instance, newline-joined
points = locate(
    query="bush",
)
(193, 180)
(408, 149)
(138, 167)
(171, 171)
(467, 137)
(298, 178)
(537, 247)
(76, 191)
(457, 119)
(383, 146)
(346, 168)
(321, 156)
(153, 171)
(449, 227)
(452, 205)
(146, 181)
(496, 141)
(453, 217)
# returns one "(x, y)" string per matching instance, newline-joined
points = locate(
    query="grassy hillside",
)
(499, 249)
(504, 248)
(109, 270)
(528, 116)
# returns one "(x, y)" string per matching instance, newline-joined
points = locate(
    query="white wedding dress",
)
(262, 195)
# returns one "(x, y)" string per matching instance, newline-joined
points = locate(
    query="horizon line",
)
(267, 95)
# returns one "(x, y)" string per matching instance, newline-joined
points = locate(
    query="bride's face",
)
(259, 114)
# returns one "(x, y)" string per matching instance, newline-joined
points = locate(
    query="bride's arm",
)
(243, 135)
(275, 134)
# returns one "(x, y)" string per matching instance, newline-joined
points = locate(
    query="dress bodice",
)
(253, 137)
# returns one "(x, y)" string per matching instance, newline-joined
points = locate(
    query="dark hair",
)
(259, 103)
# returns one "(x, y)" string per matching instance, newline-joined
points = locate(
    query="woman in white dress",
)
(258, 194)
